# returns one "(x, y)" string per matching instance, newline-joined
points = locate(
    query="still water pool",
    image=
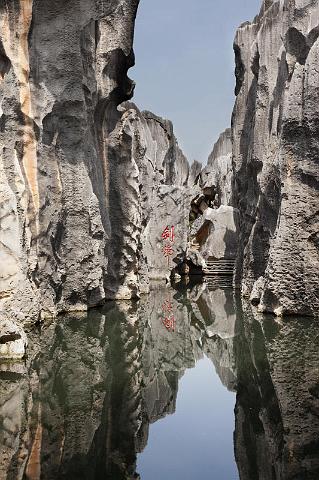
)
(197, 441)
(187, 383)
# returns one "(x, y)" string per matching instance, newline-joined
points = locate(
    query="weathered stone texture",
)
(63, 74)
(275, 155)
(86, 186)
(217, 233)
(13, 341)
(216, 229)
(218, 173)
(153, 189)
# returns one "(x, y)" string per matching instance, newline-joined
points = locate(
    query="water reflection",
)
(197, 441)
(277, 408)
(83, 406)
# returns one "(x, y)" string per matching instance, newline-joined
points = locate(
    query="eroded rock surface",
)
(216, 232)
(275, 155)
(13, 341)
(63, 74)
(218, 173)
(86, 186)
(156, 185)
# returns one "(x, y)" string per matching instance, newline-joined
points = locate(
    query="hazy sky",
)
(196, 442)
(185, 65)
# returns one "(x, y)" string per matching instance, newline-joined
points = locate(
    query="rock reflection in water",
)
(92, 385)
(84, 409)
(277, 409)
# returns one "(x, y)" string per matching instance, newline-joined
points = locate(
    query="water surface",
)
(197, 441)
(184, 384)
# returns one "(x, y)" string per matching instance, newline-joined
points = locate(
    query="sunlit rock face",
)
(62, 74)
(86, 187)
(221, 238)
(216, 229)
(218, 173)
(13, 341)
(168, 186)
(277, 407)
(275, 155)
(153, 187)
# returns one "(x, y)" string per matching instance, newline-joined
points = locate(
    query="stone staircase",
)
(219, 281)
(219, 267)
(219, 273)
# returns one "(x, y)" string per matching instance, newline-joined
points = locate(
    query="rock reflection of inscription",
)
(168, 236)
(169, 321)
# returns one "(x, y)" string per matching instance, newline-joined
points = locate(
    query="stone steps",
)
(219, 267)
(219, 281)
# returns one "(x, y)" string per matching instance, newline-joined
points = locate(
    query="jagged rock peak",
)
(222, 148)
(217, 176)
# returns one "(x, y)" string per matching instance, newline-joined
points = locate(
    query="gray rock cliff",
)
(218, 173)
(86, 186)
(275, 156)
(63, 73)
(154, 189)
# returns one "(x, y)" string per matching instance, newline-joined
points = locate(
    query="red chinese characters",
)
(167, 306)
(168, 236)
(168, 252)
(169, 323)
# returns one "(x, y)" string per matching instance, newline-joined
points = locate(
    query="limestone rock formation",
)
(13, 341)
(218, 173)
(216, 232)
(275, 155)
(63, 73)
(215, 227)
(86, 186)
(157, 194)
(195, 172)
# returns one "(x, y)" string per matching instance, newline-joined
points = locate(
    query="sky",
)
(185, 66)
(196, 442)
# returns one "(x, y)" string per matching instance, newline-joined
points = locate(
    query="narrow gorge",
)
(88, 182)
(91, 187)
